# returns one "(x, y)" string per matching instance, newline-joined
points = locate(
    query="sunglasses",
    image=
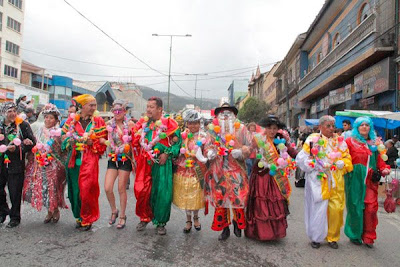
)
(118, 111)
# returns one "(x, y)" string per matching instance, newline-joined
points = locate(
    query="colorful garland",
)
(43, 152)
(13, 138)
(160, 129)
(185, 149)
(223, 141)
(118, 153)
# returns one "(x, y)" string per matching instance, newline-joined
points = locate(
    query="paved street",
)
(36, 244)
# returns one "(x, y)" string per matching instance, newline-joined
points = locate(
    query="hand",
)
(89, 142)
(236, 153)
(340, 164)
(163, 158)
(11, 148)
(285, 135)
(385, 172)
(102, 140)
(211, 154)
(200, 157)
(28, 142)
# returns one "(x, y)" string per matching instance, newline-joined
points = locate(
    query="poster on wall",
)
(337, 96)
(348, 91)
(313, 108)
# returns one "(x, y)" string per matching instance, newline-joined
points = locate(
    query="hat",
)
(6, 106)
(226, 106)
(396, 136)
(192, 116)
(271, 120)
(51, 109)
(82, 100)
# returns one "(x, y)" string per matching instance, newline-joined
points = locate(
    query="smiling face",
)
(327, 128)
(271, 130)
(50, 120)
(364, 129)
(89, 108)
(153, 111)
(11, 114)
(119, 112)
(194, 126)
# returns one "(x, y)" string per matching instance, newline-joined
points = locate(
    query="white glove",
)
(211, 154)
(340, 164)
(236, 153)
(200, 157)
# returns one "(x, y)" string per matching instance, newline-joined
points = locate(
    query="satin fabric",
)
(362, 193)
(83, 180)
(324, 199)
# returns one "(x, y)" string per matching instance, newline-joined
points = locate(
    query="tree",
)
(253, 110)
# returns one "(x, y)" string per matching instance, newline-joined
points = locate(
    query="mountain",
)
(178, 102)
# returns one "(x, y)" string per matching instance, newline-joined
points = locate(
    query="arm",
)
(27, 134)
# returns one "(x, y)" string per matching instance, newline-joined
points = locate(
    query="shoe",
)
(13, 223)
(197, 227)
(56, 216)
(141, 226)
(356, 242)
(127, 187)
(225, 234)
(187, 230)
(161, 230)
(48, 218)
(369, 245)
(85, 228)
(333, 245)
(236, 230)
(114, 216)
(315, 244)
(121, 225)
(78, 224)
(3, 218)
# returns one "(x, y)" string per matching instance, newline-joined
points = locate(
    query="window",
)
(336, 40)
(13, 24)
(363, 13)
(16, 3)
(12, 48)
(319, 57)
(10, 71)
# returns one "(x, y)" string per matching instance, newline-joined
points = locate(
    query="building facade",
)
(347, 58)
(255, 87)
(269, 89)
(11, 37)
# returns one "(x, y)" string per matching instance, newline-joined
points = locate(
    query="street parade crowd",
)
(243, 171)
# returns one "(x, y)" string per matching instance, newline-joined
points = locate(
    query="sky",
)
(229, 39)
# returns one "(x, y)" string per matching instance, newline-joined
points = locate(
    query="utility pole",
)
(195, 84)
(201, 96)
(170, 55)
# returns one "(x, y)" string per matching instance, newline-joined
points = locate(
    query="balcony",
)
(360, 33)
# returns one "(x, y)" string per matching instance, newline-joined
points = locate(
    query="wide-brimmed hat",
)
(271, 120)
(226, 106)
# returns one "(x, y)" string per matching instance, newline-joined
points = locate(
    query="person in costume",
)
(156, 142)
(270, 189)
(16, 139)
(45, 175)
(325, 159)
(368, 155)
(85, 135)
(226, 180)
(120, 160)
(188, 193)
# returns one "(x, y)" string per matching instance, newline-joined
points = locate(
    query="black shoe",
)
(85, 228)
(225, 234)
(333, 245)
(3, 218)
(13, 223)
(369, 245)
(356, 242)
(78, 225)
(236, 230)
(187, 230)
(315, 244)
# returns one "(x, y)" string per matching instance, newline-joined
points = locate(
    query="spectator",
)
(30, 115)
(391, 153)
(346, 128)
(71, 109)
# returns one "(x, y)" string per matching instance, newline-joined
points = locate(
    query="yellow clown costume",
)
(325, 161)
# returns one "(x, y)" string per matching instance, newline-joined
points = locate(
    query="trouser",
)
(142, 190)
(15, 182)
(335, 211)
(222, 218)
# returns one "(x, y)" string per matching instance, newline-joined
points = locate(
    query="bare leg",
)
(123, 177)
(111, 175)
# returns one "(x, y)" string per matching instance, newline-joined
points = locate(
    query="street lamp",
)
(195, 83)
(170, 53)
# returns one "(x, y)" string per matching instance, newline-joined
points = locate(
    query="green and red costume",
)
(83, 169)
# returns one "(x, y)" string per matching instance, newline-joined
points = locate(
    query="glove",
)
(340, 164)
(211, 154)
(200, 157)
(236, 153)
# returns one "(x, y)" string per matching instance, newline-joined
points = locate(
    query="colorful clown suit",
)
(362, 191)
(226, 180)
(325, 161)
(153, 183)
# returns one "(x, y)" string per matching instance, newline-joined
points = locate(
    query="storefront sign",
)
(336, 96)
(313, 108)
(364, 103)
(10, 95)
(348, 91)
(374, 80)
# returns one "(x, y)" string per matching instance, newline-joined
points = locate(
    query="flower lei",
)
(284, 164)
(43, 152)
(223, 142)
(118, 153)
(319, 155)
(159, 134)
(377, 145)
(13, 138)
(80, 141)
(185, 149)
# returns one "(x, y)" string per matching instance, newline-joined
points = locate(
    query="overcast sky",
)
(226, 35)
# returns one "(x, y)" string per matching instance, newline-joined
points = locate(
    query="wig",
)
(357, 123)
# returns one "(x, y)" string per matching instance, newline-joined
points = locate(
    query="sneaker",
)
(333, 245)
(161, 230)
(13, 223)
(315, 244)
(141, 226)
